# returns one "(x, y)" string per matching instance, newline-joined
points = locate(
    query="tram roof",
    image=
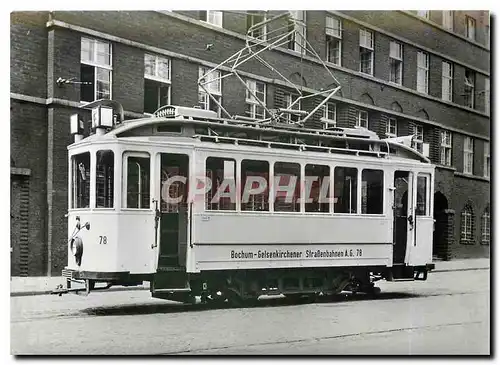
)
(209, 119)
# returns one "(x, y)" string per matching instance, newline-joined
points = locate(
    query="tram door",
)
(173, 211)
(403, 215)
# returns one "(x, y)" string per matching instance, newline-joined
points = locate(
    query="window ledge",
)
(445, 167)
(473, 177)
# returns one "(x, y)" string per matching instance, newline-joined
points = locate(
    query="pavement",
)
(39, 285)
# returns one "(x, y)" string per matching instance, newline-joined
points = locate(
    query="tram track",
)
(322, 338)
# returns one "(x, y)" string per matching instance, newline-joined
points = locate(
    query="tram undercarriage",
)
(244, 287)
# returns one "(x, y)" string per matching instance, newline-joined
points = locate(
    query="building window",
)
(212, 84)
(254, 109)
(391, 128)
(447, 81)
(289, 100)
(222, 174)
(330, 114)
(448, 19)
(486, 171)
(470, 28)
(362, 119)
(423, 13)
(466, 225)
(366, 51)
(317, 188)
(469, 89)
(256, 17)
(468, 155)
(334, 40)
(396, 63)
(417, 142)
(485, 227)
(95, 70)
(487, 96)
(212, 17)
(372, 191)
(156, 83)
(297, 40)
(445, 148)
(423, 72)
(104, 179)
(287, 179)
(254, 177)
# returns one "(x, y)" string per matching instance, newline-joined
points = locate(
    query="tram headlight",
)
(77, 249)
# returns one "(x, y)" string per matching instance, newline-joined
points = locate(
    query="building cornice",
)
(436, 25)
(75, 104)
(407, 41)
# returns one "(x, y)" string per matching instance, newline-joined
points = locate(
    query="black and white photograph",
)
(250, 182)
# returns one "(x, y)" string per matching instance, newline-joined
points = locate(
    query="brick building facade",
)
(413, 72)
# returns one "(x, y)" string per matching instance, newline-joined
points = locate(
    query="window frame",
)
(447, 79)
(158, 79)
(366, 48)
(388, 132)
(354, 190)
(326, 112)
(486, 227)
(468, 155)
(250, 100)
(417, 143)
(423, 68)
(74, 180)
(125, 160)
(290, 97)
(470, 28)
(469, 89)
(210, 16)
(215, 76)
(487, 160)
(423, 14)
(333, 37)
(467, 225)
(398, 60)
(113, 178)
(382, 191)
(299, 16)
(487, 95)
(251, 15)
(97, 65)
(448, 22)
(359, 120)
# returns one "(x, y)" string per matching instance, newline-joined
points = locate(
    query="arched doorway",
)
(439, 241)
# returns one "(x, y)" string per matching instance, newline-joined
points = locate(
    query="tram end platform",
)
(42, 285)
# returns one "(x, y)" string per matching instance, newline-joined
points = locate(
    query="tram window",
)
(254, 194)
(138, 175)
(104, 179)
(372, 192)
(81, 180)
(317, 188)
(421, 195)
(222, 193)
(346, 187)
(286, 187)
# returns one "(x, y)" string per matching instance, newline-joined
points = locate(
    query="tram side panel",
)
(240, 241)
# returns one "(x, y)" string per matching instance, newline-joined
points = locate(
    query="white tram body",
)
(377, 221)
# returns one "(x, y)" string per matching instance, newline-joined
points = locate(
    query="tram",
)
(231, 209)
